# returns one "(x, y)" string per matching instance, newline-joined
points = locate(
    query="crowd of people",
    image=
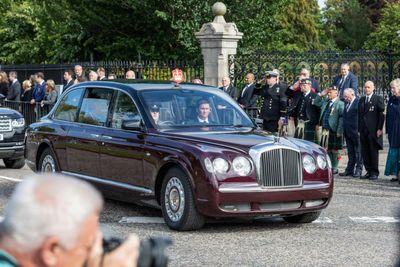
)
(331, 117)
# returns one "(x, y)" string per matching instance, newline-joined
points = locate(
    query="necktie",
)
(367, 100)
(341, 82)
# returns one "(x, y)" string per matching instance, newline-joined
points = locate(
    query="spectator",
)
(304, 113)
(111, 76)
(274, 107)
(247, 99)
(35, 232)
(228, 87)
(197, 81)
(93, 76)
(51, 93)
(4, 84)
(68, 79)
(39, 89)
(79, 74)
(14, 91)
(331, 120)
(350, 131)
(346, 79)
(130, 75)
(101, 72)
(27, 93)
(393, 131)
(32, 78)
(370, 124)
(304, 74)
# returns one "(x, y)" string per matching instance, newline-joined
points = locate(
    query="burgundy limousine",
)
(189, 149)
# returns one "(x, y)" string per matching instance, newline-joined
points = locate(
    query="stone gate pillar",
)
(218, 40)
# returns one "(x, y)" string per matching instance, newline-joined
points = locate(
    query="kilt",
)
(305, 130)
(331, 141)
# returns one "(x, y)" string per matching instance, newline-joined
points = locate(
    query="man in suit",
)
(246, 98)
(14, 91)
(101, 72)
(39, 90)
(331, 120)
(203, 114)
(304, 112)
(274, 107)
(79, 74)
(228, 87)
(304, 74)
(350, 126)
(346, 79)
(370, 124)
(68, 79)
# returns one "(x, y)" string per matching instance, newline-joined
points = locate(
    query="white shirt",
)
(202, 121)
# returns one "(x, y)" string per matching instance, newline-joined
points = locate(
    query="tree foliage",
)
(386, 37)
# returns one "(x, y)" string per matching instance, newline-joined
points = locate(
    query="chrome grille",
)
(280, 167)
(5, 125)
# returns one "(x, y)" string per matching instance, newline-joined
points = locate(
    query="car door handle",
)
(107, 137)
(95, 135)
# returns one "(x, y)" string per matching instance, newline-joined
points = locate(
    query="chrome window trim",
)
(108, 182)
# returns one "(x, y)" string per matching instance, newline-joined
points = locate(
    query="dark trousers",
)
(270, 125)
(370, 153)
(354, 154)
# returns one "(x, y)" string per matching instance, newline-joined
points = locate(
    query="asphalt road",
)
(360, 227)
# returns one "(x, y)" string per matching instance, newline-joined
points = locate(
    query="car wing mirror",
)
(133, 125)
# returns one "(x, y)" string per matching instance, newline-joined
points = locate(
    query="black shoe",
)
(395, 179)
(373, 177)
(335, 171)
(357, 174)
(345, 174)
(366, 176)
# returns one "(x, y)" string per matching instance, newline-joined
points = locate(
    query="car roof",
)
(148, 84)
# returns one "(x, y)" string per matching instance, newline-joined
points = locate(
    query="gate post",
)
(218, 40)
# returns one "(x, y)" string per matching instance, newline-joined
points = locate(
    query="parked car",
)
(104, 132)
(12, 136)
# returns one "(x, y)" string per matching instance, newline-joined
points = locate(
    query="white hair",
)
(395, 83)
(48, 205)
(350, 90)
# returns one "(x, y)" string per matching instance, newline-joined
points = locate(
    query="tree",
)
(385, 37)
(347, 23)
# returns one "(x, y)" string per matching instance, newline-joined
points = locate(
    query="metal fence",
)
(31, 112)
(144, 69)
(381, 68)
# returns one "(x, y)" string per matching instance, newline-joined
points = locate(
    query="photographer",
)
(53, 220)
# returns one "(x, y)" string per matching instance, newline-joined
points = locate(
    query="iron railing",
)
(381, 68)
(31, 112)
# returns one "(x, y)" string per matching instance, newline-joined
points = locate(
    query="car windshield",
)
(179, 108)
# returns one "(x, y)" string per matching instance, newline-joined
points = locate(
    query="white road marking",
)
(126, 220)
(323, 220)
(11, 179)
(375, 219)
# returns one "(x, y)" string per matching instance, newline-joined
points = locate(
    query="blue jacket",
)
(39, 92)
(350, 120)
(351, 81)
(393, 121)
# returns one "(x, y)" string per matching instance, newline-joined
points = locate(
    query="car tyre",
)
(303, 218)
(14, 163)
(48, 162)
(177, 202)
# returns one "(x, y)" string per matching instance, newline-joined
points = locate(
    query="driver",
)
(155, 113)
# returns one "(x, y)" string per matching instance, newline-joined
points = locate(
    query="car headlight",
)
(309, 164)
(328, 160)
(321, 161)
(220, 165)
(208, 164)
(17, 123)
(241, 166)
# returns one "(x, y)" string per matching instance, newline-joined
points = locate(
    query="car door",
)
(121, 151)
(83, 145)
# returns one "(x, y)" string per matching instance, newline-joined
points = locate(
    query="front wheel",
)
(177, 202)
(303, 218)
(47, 162)
(14, 163)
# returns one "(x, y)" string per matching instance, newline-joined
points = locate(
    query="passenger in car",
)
(203, 113)
(155, 113)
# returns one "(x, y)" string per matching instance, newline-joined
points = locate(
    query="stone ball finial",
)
(219, 9)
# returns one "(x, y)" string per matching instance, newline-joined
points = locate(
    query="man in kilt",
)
(304, 112)
(331, 120)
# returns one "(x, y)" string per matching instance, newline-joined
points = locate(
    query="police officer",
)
(274, 107)
(304, 112)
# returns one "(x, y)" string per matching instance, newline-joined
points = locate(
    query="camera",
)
(151, 253)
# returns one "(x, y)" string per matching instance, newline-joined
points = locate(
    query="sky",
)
(321, 3)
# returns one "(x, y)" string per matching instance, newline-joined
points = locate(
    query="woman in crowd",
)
(393, 131)
(3, 84)
(26, 95)
(51, 93)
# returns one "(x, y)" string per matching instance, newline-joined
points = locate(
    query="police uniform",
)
(274, 105)
(305, 113)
